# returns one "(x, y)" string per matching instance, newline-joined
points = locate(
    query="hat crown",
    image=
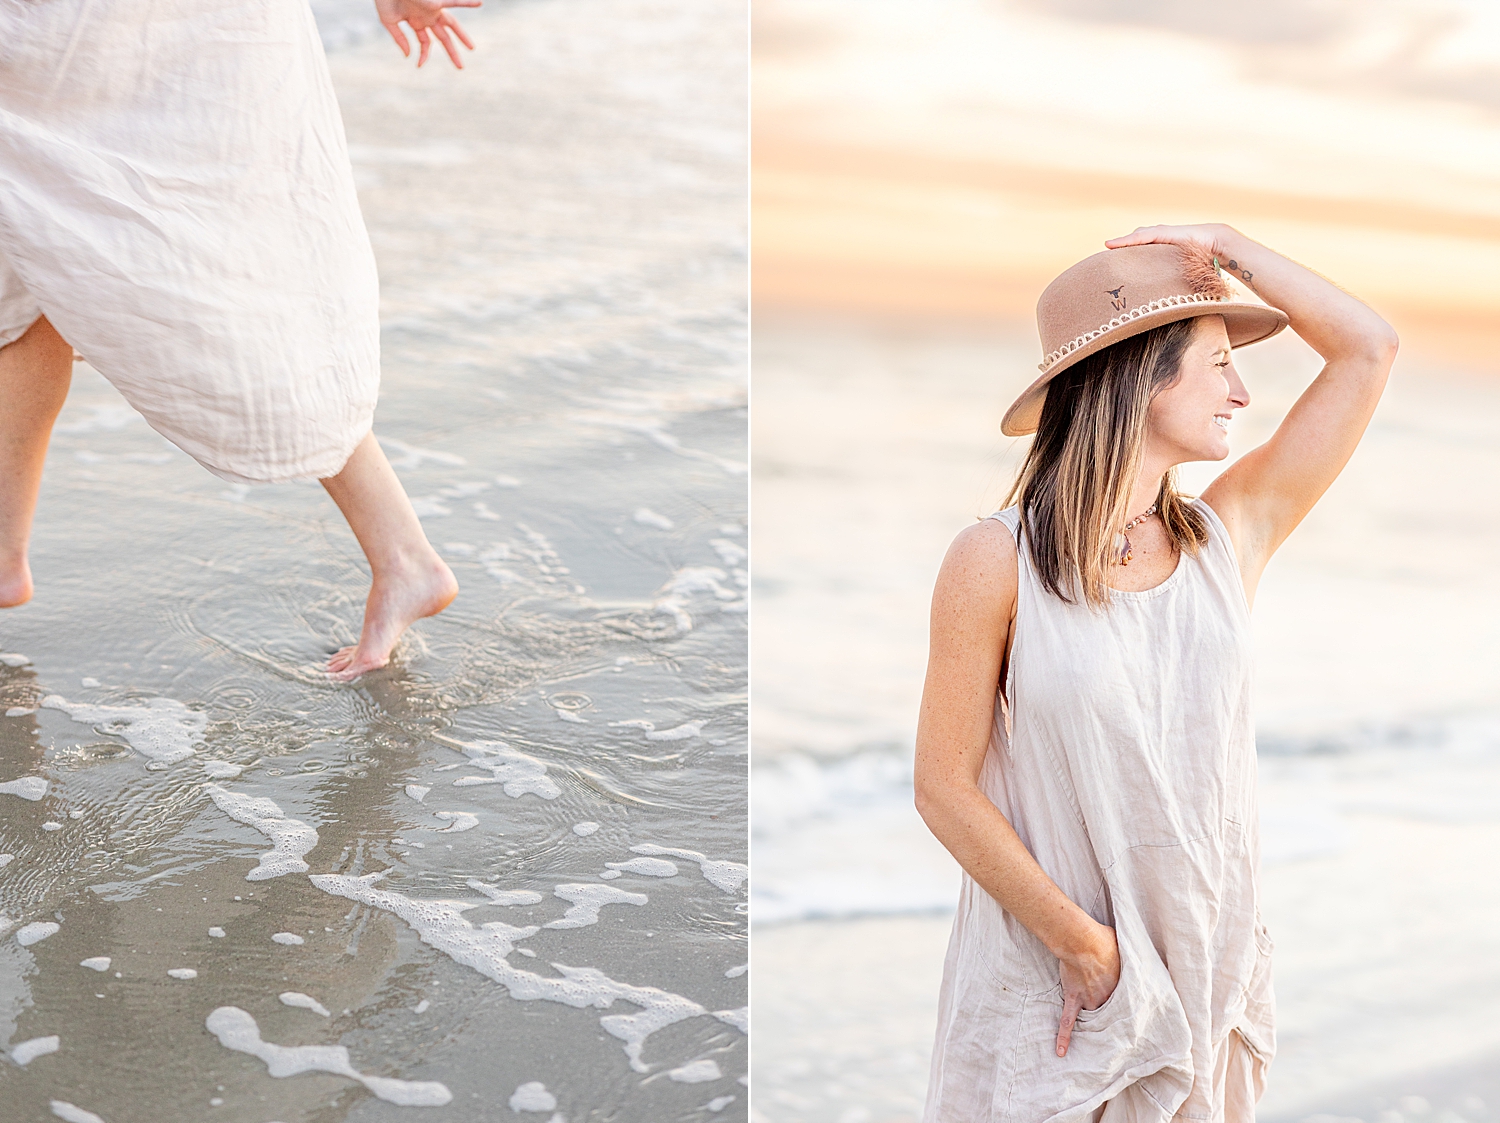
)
(1109, 289)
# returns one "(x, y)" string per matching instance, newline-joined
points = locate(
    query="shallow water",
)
(1378, 721)
(561, 248)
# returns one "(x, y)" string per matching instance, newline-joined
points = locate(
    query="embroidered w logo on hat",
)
(1120, 293)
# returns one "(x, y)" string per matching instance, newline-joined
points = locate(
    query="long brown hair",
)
(1076, 481)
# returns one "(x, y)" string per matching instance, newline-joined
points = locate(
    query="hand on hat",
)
(1209, 235)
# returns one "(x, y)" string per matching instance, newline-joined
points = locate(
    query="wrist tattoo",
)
(1245, 274)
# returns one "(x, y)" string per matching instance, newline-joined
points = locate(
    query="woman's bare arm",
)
(973, 607)
(1268, 491)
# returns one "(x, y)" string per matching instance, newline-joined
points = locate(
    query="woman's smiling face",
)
(1189, 420)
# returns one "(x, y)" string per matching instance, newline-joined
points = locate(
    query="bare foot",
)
(397, 599)
(15, 583)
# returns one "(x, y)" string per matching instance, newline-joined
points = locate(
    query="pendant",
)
(1122, 544)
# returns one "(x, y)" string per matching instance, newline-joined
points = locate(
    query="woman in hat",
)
(176, 203)
(1085, 748)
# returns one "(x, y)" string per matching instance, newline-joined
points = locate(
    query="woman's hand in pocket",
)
(1089, 976)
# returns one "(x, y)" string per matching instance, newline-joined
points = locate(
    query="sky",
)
(949, 157)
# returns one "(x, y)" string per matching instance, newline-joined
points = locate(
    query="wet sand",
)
(526, 837)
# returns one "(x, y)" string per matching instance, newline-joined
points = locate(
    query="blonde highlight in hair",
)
(1075, 485)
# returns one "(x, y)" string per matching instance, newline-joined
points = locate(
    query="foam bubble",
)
(417, 792)
(696, 1072)
(28, 787)
(719, 1103)
(506, 896)
(6, 859)
(71, 1114)
(740, 1018)
(457, 821)
(647, 517)
(28, 1051)
(303, 1001)
(674, 596)
(676, 733)
(583, 830)
(532, 1096)
(587, 899)
(736, 972)
(163, 730)
(19, 711)
(98, 963)
(216, 932)
(36, 932)
(292, 838)
(730, 553)
(51, 825)
(290, 939)
(221, 769)
(422, 1007)
(722, 875)
(610, 875)
(569, 715)
(237, 1030)
(517, 773)
(440, 924)
(13, 659)
(183, 973)
(646, 867)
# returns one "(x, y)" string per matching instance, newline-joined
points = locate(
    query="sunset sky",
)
(948, 158)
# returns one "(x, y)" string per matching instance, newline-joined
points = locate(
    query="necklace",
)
(1122, 541)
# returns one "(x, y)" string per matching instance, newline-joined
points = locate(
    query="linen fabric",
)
(176, 198)
(1122, 752)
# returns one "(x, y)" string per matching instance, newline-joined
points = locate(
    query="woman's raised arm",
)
(973, 607)
(1268, 491)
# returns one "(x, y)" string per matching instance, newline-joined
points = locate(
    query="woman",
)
(1085, 748)
(176, 203)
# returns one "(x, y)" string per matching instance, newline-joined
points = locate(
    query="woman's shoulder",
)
(982, 562)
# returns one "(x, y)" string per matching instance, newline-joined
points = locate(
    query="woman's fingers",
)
(394, 27)
(424, 38)
(452, 23)
(1072, 1003)
(441, 31)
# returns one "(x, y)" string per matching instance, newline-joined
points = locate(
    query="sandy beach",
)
(505, 876)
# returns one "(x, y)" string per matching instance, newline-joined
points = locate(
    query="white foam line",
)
(457, 821)
(291, 838)
(28, 1051)
(587, 899)
(35, 933)
(506, 896)
(696, 1072)
(162, 729)
(723, 875)
(303, 1001)
(27, 787)
(71, 1113)
(517, 773)
(237, 1030)
(440, 924)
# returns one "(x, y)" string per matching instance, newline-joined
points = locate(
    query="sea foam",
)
(237, 1030)
(440, 924)
(291, 838)
(162, 729)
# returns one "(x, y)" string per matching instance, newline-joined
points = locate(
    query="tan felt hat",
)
(1119, 293)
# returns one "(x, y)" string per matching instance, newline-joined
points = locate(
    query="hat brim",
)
(1245, 322)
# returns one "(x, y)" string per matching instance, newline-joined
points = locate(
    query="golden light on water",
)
(948, 159)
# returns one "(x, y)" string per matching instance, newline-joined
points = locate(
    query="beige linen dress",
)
(1127, 767)
(176, 198)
